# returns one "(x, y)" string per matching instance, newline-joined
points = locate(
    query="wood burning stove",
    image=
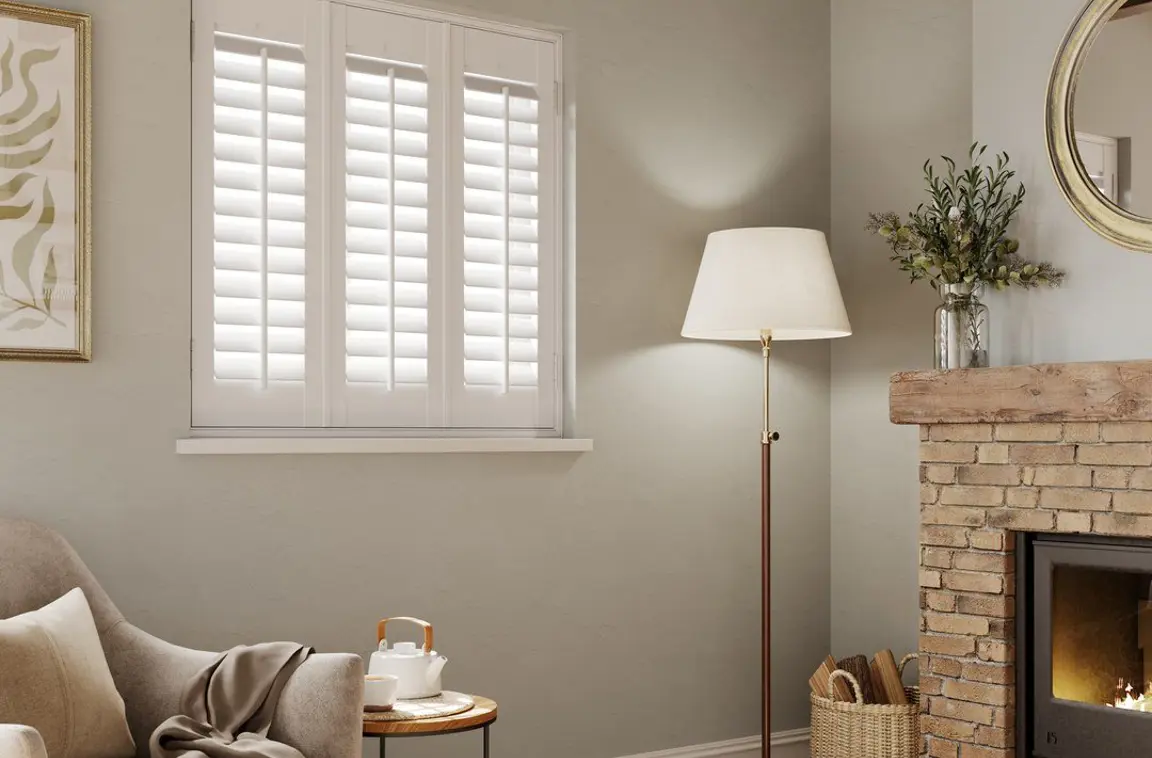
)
(1084, 648)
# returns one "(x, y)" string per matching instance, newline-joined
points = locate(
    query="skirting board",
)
(793, 744)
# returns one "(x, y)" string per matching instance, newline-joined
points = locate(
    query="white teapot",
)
(417, 669)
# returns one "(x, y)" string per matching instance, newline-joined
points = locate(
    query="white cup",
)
(380, 692)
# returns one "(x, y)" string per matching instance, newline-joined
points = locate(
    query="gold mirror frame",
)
(1106, 218)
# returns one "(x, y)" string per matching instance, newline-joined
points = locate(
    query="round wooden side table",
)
(480, 716)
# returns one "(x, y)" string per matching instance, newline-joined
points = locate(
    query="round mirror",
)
(1099, 124)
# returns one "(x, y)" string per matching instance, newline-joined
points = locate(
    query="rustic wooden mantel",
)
(1025, 394)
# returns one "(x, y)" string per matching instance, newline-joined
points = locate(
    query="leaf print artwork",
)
(30, 322)
(14, 211)
(43, 123)
(27, 294)
(48, 286)
(12, 187)
(45, 183)
(15, 161)
(6, 66)
(24, 257)
(31, 93)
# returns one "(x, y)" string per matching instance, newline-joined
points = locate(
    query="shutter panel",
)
(389, 207)
(386, 277)
(250, 260)
(259, 219)
(506, 288)
(501, 234)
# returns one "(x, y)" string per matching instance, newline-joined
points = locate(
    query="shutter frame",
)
(525, 61)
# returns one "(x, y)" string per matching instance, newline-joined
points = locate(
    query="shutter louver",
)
(501, 235)
(386, 220)
(259, 204)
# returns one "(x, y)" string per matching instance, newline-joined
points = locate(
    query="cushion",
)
(20, 742)
(55, 679)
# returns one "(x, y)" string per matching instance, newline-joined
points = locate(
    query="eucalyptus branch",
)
(961, 234)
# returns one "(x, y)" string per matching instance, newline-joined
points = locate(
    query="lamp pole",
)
(767, 437)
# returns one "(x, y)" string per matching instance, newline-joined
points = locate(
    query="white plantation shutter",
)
(501, 234)
(385, 69)
(250, 267)
(376, 234)
(387, 224)
(259, 211)
(507, 338)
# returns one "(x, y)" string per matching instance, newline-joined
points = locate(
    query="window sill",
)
(375, 445)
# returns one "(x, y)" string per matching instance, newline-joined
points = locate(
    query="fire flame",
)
(1140, 703)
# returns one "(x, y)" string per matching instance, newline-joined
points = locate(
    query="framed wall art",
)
(45, 184)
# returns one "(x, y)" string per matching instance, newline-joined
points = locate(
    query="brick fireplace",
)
(1058, 449)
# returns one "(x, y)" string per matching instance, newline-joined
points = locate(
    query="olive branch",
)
(961, 235)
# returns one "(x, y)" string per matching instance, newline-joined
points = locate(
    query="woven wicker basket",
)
(856, 730)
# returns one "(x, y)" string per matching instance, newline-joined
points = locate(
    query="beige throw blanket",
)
(228, 706)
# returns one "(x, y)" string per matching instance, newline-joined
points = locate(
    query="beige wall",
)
(595, 596)
(901, 93)
(1103, 311)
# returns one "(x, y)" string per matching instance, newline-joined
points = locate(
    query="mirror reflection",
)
(1113, 110)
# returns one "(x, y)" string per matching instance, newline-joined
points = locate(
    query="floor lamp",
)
(766, 285)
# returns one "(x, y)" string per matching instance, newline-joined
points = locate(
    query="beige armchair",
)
(320, 708)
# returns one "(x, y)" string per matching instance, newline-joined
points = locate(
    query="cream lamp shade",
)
(767, 279)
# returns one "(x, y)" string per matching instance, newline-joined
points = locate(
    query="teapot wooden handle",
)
(382, 626)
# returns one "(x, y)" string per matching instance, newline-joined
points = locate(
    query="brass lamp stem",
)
(767, 437)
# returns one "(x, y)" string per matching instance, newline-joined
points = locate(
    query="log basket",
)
(858, 730)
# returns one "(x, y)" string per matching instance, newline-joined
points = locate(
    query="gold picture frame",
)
(1112, 222)
(45, 184)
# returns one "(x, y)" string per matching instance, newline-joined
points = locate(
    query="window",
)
(1101, 158)
(377, 220)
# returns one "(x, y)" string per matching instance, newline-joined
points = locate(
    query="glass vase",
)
(961, 328)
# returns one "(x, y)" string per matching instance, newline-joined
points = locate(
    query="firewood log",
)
(886, 677)
(857, 666)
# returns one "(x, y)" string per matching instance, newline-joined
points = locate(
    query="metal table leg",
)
(487, 740)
